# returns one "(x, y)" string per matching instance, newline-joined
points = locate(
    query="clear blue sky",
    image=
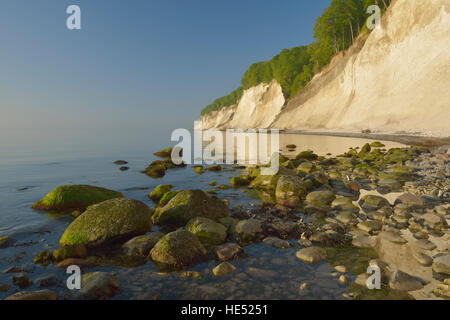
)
(139, 63)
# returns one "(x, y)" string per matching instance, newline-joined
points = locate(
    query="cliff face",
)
(257, 108)
(397, 79)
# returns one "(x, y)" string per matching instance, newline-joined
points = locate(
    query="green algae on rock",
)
(240, 181)
(177, 250)
(75, 251)
(159, 192)
(108, 221)
(72, 197)
(167, 197)
(189, 204)
(207, 231)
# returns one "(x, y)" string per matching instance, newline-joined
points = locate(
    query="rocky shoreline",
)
(369, 206)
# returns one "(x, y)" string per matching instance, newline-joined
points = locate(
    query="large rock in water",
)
(207, 231)
(108, 221)
(289, 190)
(177, 250)
(189, 204)
(75, 197)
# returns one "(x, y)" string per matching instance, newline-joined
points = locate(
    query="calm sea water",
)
(34, 163)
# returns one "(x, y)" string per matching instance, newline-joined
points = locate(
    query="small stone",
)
(335, 274)
(423, 259)
(34, 295)
(229, 251)
(47, 281)
(223, 269)
(402, 281)
(22, 280)
(370, 226)
(442, 264)
(304, 243)
(361, 279)
(276, 242)
(343, 279)
(5, 287)
(425, 244)
(312, 255)
(341, 269)
(303, 286)
(98, 285)
(393, 237)
(361, 241)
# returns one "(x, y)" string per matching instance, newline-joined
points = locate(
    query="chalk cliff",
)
(395, 79)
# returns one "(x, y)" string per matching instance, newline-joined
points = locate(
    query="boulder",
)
(320, 198)
(34, 295)
(208, 231)
(177, 250)
(290, 190)
(140, 246)
(248, 230)
(312, 255)
(276, 242)
(98, 286)
(189, 204)
(75, 197)
(442, 264)
(373, 203)
(76, 251)
(229, 251)
(223, 269)
(108, 221)
(402, 281)
(159, 192)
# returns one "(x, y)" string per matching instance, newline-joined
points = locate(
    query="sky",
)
(135, 64)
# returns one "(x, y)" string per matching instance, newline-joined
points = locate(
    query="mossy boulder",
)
(159, 192)
(167, 197)
(177, 250)
(216, 168)
(189, 204)
(75, 197)
(320, 198)
(377, 144)
(207, 231)
(307, 155)
(290, 190)
(108, 221)
(373, 203)
(76, 251)
(365, 149)
(140, 246)
(240, 181)
(306, 167)
(166, 153)
(157, 169)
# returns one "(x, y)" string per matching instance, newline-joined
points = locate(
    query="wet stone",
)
(312, 255)
(402, 281)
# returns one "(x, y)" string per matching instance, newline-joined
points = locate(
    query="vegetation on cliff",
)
(334, 31)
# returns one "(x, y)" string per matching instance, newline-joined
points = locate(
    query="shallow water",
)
(26, 177)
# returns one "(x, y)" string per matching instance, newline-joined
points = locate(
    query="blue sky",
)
(136, 64)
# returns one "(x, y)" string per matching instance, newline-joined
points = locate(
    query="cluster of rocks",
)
(321, 202)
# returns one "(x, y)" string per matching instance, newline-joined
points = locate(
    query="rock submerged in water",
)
(289, 190)
(189, 204)
(312, 255)
(140, 246)
(177, 250)
(75, 197)
(33, 295)
(108, 221)
(98, 286)
(159, 192)
(207, 231)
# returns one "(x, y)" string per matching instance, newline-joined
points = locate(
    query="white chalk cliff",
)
(396, 79)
